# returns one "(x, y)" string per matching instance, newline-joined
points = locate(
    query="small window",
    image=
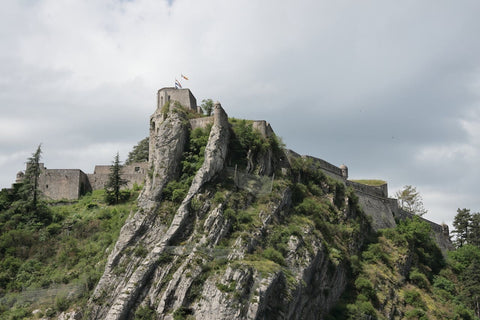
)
(137, 169)
(168, 98)
(46, 186)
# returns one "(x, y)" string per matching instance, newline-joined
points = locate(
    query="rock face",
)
(121, 290)
(230, 250)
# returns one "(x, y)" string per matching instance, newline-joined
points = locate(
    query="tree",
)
(410, 200)
(465, 263)
(28, 190)
(207, 106)
(139, 152)
(115, 182)
(474, 230)
(461, 223)
(471, 283)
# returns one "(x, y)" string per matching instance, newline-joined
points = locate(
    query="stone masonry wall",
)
(263, 127)
(183, 96)
(134, 174)
(201, 122)
(331, 170)
(59, 184)
(380, 191)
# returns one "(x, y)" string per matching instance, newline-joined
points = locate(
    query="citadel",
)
(71, 184)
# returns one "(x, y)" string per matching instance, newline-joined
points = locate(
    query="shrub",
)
(463, 313)
(365, 287)
(419, 279)
(413, 298)
(443, 283)
(181, 313)
(417, 314)
(375, 253)
(145, 313)
(61, 303)
(140, 251)
(274, 255)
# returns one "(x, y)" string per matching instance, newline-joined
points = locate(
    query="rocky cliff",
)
(228, 249)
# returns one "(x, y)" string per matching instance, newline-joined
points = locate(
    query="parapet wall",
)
(201, 122)
(380, 191)
(331, 170)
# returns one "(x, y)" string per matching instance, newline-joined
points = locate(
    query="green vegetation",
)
(247, 144)
(113, 194)
(404, 274)
(371, 182)
(23, 205)
(191, 162)
(207, 106)
(467, 228)
(139, 152)
(410, 200)
(55, 264)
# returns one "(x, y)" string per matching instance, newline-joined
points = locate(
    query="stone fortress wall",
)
(71, 184)
(63, 183)
(375, 202)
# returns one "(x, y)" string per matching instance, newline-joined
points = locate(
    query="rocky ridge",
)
(227, 251)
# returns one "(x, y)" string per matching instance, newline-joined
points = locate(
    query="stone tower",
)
(344, 169)
(183, 96)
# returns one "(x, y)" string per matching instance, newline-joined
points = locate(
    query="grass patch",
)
(371, 182)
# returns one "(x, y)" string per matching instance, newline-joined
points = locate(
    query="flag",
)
(178, 84)
(184, 77)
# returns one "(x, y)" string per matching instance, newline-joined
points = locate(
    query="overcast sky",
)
(389, 88)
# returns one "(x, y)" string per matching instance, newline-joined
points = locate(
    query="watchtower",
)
(182, 96)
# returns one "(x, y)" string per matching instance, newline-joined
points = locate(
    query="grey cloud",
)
(372, 84)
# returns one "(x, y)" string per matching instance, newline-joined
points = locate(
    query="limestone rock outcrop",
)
(230, 250)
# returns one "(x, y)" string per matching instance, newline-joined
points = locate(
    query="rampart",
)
(374, 191)
(134, 174)
(201, 122)
(375, 202)
(70, 184)
(63, 183)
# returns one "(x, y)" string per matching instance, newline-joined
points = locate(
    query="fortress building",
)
(182, 96)
(71, 184)
(59, 184)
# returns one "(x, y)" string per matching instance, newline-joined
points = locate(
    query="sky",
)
(389, 88)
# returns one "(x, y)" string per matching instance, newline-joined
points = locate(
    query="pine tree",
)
(474, 230)
(29, 191)
(115, 182)
(461, 223)
(471, 282)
